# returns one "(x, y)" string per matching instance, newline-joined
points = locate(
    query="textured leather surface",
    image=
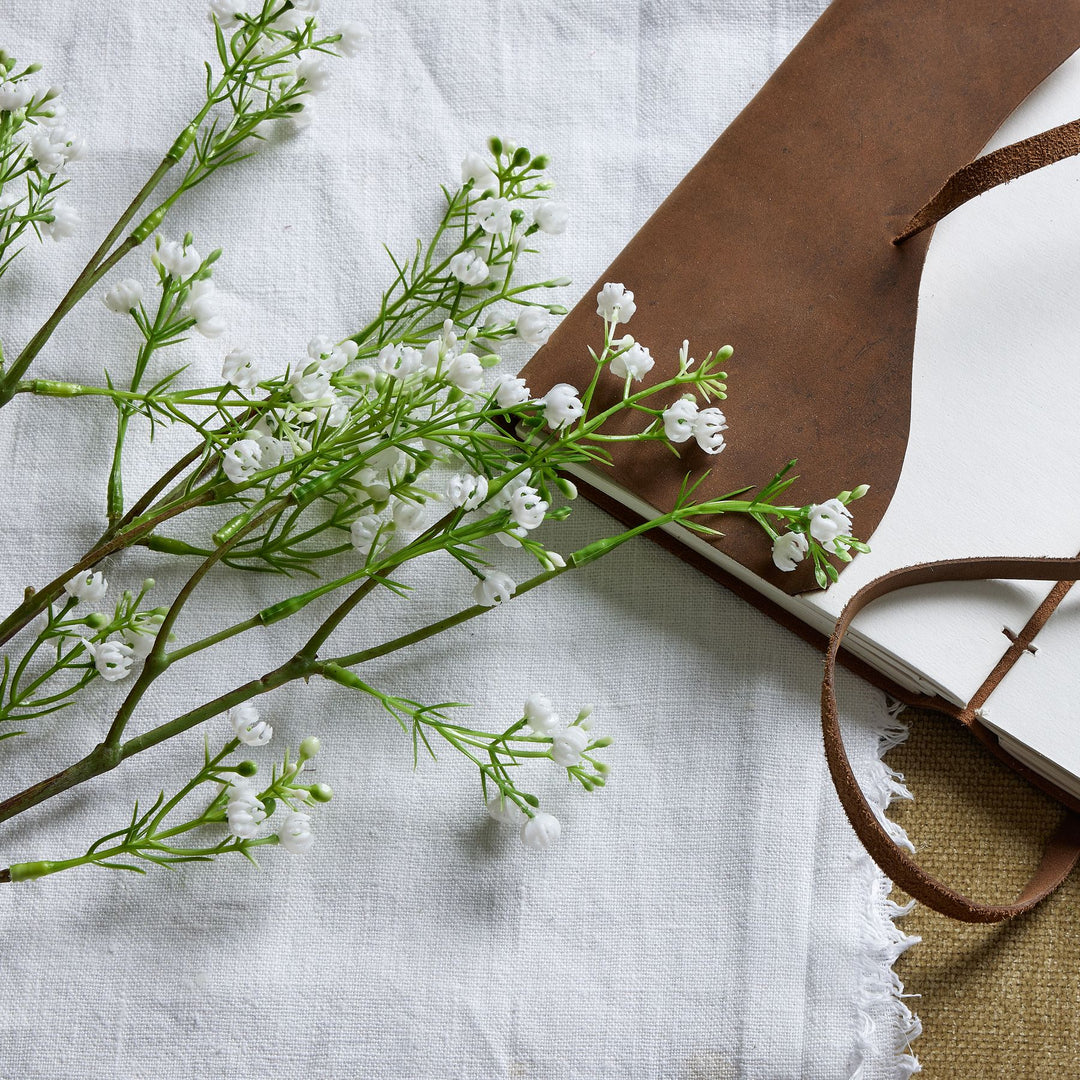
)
(778, 243)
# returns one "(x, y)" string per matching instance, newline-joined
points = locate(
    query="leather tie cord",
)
(1062, 849)
(998, 167)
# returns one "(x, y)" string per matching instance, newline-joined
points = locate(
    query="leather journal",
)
(801, 239)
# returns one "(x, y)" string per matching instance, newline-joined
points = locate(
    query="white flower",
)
(615, 303)
(142, 635)
(241, 460)
(124, 296)
(319, 347)
(828, 521)
(494, 588)
(76, 147)
(551, 217)
(363, 531)
(113, 659)
(87, 587)
(511, 391)
(408, 516)
(247, 726)
(244, 811)
(432, 354)
(315, 73)
(503, 809)
(466, 372)
(533, 326)
(353, 37)
(708, 425)
(540, 832)
(295, 833)
(226, 11)
(493, 215)
(271, 449)
(789, 550)
(501, 499)
(399, 360)
(331, 357)
(14, 95)
(65, 220)
(469, 268)
(562, 406)
(540, 714)
(241, 369)
(176, 260)
(466, 490)
(527, 508)
(477, 168)
(568, 746)
(202, 306)
(679, 420)
(310, 383)
(52, 146)
(634, 363)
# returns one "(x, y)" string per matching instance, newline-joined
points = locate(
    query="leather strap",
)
(1062, 849)
(998, 167)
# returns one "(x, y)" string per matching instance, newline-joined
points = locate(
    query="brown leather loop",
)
(1063, 847)
(998, 167)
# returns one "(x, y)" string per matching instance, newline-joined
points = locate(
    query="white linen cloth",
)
(710, 914)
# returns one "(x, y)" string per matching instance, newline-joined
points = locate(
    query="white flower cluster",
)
(827, 523)
(36, 120)
(683, 421)
(540, 830)
(177, 263)
(245, 808)
(113, 659)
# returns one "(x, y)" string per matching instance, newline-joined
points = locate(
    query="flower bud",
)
(860, 491)
(495, 145)
(321, 792)
(95, 620)
(521, 157)
(309, 748)
(246, 768)
(148, 584)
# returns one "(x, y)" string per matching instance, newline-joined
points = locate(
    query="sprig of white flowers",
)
(271, 63)
(241, 804)
(365, 455)
(36, 146)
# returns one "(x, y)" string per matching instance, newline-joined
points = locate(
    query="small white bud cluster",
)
(246, 806)
(827, 523)
(540, 830)
(113, 659)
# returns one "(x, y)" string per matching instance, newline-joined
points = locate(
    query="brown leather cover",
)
(778, 243)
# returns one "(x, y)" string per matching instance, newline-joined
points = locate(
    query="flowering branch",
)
(258, 84)
(370, 454)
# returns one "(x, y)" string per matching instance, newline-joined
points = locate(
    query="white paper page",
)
(994, 432)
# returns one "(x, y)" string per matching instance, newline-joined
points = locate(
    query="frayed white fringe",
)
(880, 994)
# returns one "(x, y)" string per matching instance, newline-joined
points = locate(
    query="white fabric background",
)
(708, 915)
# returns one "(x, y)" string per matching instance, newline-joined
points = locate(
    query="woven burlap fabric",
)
(995, 1001)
